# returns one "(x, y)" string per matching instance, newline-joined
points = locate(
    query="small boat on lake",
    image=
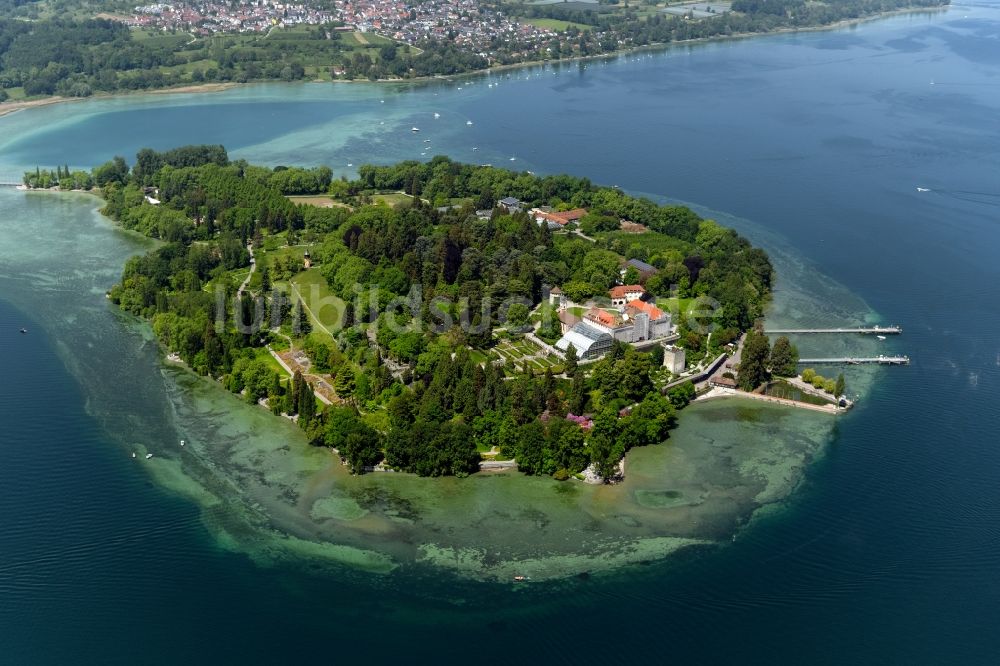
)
(414, 129)
(24, 330)
(520, 579)
(148, 456)
(880, 337)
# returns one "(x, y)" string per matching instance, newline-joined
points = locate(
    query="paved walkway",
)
(253, 267)
(309, 312)
(719, 392)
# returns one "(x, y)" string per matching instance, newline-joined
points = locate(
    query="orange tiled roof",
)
(561, 218)
(642, 306)
(570, 215)
(621, 290)
(603, 317)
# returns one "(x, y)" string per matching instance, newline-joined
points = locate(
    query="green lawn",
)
(674, 305)
(272, 363)
(297, 252)
(327, 309)
(392, 198)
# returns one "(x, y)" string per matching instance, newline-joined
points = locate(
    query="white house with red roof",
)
(625, 293)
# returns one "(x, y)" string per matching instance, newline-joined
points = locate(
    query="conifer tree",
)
(571, 360)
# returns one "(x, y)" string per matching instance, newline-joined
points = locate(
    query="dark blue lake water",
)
(888, 553)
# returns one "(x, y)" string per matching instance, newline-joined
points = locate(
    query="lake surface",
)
(878, 539)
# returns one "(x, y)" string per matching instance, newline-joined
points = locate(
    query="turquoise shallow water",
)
(886, 550)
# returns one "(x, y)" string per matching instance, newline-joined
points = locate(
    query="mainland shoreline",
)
(10, 107)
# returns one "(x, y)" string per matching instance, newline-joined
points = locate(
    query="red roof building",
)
(635, 307)
(626, 293)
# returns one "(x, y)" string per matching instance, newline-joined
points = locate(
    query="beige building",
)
(674, 359)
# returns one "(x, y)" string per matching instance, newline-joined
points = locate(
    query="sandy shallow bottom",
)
(265, 491)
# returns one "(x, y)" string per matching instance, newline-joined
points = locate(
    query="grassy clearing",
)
(368, 39)
(327, 309)
(318, 200)
(272, 256)
(675, 305)
(272, 363)
(392, 198)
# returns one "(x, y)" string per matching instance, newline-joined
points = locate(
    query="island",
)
(74, 49)
(442, 318)
(439, 318)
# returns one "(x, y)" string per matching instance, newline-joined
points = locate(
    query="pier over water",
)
(848, 360)
(873, 330)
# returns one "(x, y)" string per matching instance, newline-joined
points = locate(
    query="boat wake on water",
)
(985, 198)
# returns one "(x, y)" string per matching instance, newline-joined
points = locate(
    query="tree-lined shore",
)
(73, 58)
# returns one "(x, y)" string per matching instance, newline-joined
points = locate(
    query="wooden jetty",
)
(863, 330)
(879, 360)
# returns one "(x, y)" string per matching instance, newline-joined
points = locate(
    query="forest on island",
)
(426, 292)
